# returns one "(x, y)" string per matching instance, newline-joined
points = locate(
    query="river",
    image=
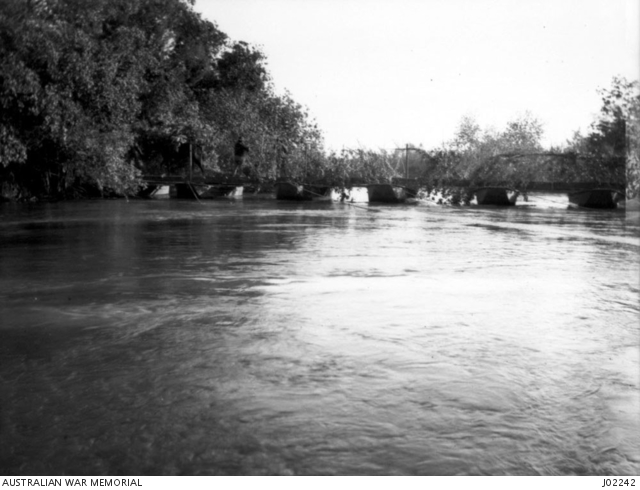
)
(265, 337)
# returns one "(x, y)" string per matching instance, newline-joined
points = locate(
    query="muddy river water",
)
(266, 337)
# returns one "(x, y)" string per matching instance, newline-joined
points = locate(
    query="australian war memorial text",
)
(71, 482)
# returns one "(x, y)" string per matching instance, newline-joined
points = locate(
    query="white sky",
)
(381, 73)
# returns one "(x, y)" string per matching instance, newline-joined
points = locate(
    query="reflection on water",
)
(280, 338)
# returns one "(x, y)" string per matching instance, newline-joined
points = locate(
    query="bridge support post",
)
(190, 163)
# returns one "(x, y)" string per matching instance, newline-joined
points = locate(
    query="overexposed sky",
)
(382, 73)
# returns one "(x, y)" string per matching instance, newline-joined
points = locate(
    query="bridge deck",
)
(222, 180)
(199, 180)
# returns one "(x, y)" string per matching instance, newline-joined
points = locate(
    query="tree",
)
(68, 92)
(608, 154)
(491, 157)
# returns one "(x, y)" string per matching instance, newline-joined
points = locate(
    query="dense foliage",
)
(610, 151)
(93, 94)
(607, 156)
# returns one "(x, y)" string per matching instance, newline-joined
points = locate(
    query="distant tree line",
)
(94, 94)
(607, 155)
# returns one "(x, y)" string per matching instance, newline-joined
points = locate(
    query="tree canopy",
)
(610, 151)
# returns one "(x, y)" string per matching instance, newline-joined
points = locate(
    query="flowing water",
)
(266, 337)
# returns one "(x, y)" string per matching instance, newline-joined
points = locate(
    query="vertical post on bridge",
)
(190, 163)
(406, 162)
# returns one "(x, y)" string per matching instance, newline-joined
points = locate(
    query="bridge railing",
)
(411, 183)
